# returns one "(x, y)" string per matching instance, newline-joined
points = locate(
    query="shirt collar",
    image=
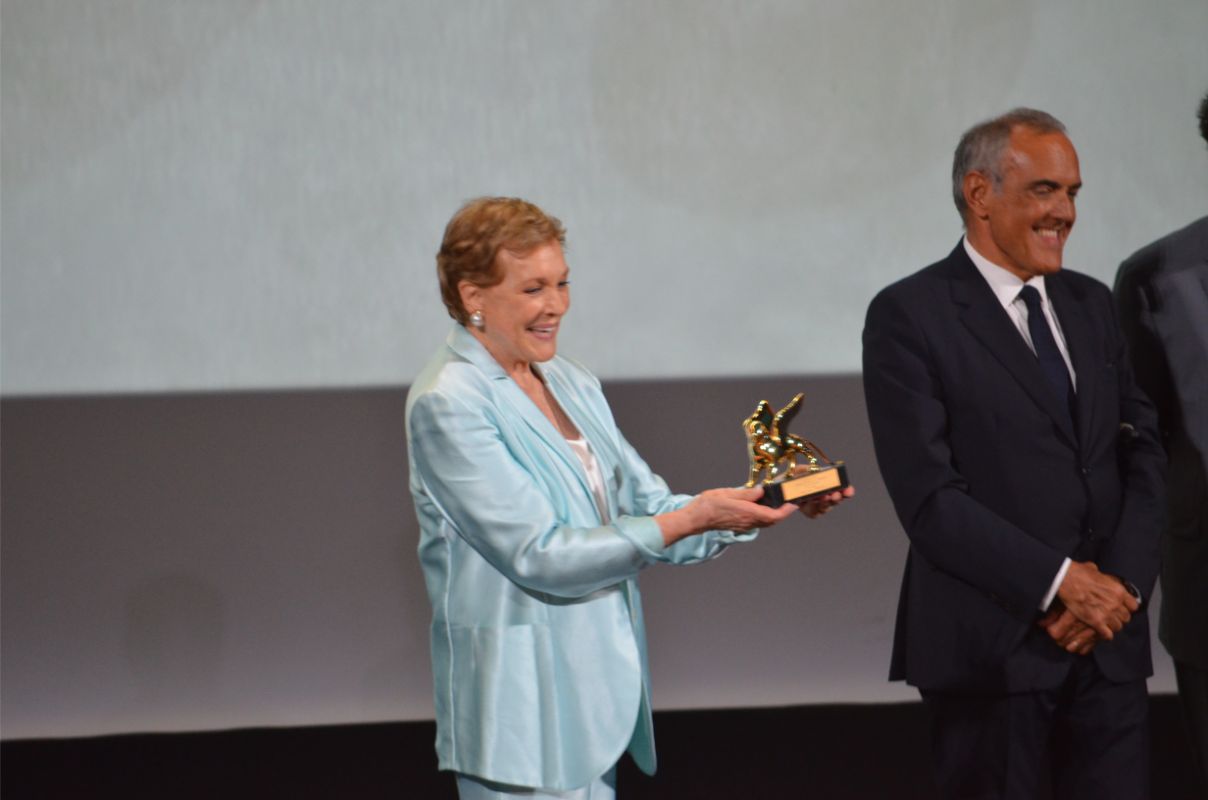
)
(1005, 285)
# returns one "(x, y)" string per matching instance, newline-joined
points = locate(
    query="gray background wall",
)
(216, 231)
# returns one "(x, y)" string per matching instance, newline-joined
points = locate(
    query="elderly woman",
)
(536, 516)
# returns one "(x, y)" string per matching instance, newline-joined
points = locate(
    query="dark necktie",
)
(1045, 345)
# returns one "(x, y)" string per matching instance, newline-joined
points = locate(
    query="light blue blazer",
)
(538, 647)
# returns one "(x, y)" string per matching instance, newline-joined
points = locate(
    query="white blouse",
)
(595, 479)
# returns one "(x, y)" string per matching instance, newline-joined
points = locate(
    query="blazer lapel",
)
(988, 321)
(465, 345)
(1178, 317)
(1081, 343)
(544, 430)
(587, 421)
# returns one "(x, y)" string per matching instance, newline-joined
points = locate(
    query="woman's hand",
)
(721, 509)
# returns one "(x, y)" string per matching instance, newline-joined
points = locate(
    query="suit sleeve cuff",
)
(1132, 589)
(644, 534)
(1051, 594)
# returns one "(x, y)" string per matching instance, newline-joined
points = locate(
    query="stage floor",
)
(823, 752)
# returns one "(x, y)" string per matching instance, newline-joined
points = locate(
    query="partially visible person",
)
(997, 386)
(536, 516)
(1162, 293)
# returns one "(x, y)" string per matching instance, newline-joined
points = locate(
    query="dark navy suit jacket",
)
(995, 485)
(1162, 294)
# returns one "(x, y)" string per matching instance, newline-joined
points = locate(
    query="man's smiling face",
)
(1022, 220)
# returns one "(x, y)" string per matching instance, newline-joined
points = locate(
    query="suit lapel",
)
(986, 319)
(1080, 340)
(587, 421)
(465, 345)
(1179, 321)
(542, 428)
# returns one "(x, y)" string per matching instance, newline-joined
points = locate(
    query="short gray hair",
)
(981, 148)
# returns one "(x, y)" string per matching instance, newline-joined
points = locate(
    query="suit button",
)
(1086, 471)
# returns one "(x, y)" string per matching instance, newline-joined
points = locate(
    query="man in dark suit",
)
(1024, 465)
(1162, 292)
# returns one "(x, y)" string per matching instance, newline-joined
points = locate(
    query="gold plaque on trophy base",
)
(804, 484)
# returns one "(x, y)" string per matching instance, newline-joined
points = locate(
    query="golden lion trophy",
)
(774, 452)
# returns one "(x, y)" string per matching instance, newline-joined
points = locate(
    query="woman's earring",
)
(476, 319)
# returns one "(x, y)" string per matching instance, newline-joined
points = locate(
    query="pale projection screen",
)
(226, 195)
(240, 198)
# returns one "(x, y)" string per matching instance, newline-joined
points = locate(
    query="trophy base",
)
(804, 484)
